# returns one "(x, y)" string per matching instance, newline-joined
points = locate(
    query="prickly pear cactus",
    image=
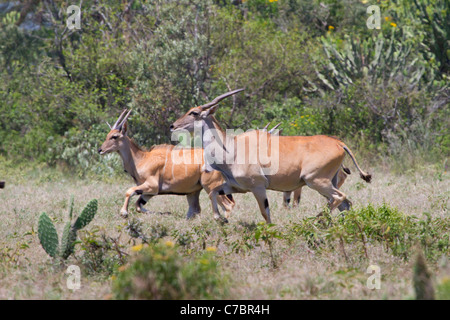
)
(48, 235)
(68, 239)
(86, 215)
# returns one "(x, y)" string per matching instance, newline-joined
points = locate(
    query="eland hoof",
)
(124, 214)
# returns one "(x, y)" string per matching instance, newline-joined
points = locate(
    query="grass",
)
(258, 261)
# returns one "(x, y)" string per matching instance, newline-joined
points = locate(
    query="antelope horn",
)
(118, 120)
(108, 125)
(271, 130)
(267, 126)
(219, 98)
(124, 120)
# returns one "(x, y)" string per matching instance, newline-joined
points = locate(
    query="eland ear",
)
(209, 112)
(124, 128)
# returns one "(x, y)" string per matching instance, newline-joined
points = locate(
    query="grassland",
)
(285, 266)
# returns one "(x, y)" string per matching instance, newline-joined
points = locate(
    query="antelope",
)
(340, 178)
(156, 173)
(298, 161)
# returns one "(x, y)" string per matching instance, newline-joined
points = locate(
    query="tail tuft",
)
(366, 177)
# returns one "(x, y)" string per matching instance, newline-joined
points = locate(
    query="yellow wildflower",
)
(211, 249)
(137, 248)
(330, 28)
(393, 24)
(170, 244)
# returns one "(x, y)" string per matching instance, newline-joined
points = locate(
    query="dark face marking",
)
(266, 203)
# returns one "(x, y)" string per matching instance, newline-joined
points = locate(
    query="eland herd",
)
(231, 161)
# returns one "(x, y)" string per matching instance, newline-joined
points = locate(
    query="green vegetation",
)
(312, 65)
(299, 256)
(395, 231)
(159, 272)
(49, 237)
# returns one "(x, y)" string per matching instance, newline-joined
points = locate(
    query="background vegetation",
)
(312, 65)
(163, 256)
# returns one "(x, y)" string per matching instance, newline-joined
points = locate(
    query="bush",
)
(397, 232)
(312, 65)
(159, 272)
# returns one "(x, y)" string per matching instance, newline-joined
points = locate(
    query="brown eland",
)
(156, 172)
(283, 163)
(340, 179)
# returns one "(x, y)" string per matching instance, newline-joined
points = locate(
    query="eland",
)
(284, 163)
(156, 172)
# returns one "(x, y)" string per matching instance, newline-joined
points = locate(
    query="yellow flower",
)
(137, 248)
(393, 24)
(273, 0)
(330, 28)
(211, 249)
(170, 244)
(386, 18)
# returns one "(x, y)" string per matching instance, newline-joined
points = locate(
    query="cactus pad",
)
(48, 235)
(86, 215)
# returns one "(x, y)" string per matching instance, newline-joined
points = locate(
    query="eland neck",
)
(131, 156)
(216, 135)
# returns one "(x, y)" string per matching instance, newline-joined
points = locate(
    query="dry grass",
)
(26, 272)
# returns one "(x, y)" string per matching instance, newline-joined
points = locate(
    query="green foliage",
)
(68, 239)
(267, 232)
(86, 215)
(380, 59)
(159, 272)
(102, 254)
(397, 232)
(312, 65)
(49, 237)
(443, 289)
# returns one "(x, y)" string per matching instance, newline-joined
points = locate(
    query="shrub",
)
(159, 272)
(397, 232)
